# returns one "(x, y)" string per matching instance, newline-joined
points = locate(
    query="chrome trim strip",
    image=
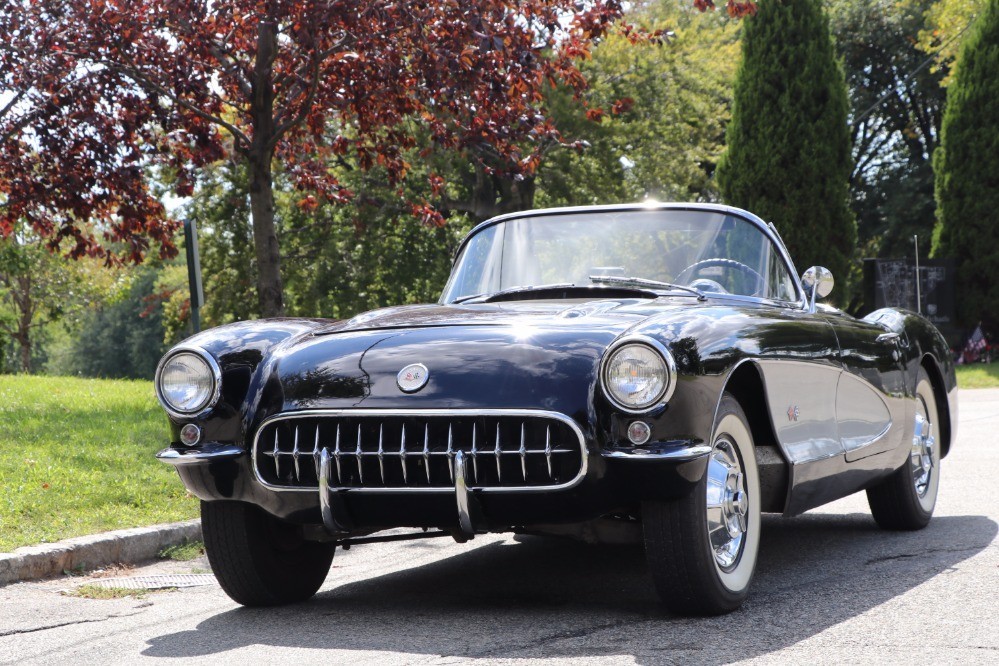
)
(456, 413)
(667, 357)
(213, 365)
(204, 454)
(677, 455)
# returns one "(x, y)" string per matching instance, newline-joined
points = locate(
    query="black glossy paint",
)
(545, 354)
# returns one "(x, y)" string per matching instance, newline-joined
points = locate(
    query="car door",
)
(870, 396)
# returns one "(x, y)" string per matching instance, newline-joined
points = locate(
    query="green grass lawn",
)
(978, 375)
(77, 457)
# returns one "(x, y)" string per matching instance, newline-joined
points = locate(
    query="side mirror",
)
(818, 283)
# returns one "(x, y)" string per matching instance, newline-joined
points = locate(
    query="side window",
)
(780, 284)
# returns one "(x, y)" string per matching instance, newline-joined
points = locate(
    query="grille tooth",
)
(360, 456)
(402, 455)
(450, 452)
(277, 455)
(381, 452)
(475, 454)
(315, 452)
(547, 450)
(336, 456)
(426, 450)
(523, 453)
(499, 455)
(294, 457)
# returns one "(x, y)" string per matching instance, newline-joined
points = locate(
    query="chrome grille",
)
(372, 449)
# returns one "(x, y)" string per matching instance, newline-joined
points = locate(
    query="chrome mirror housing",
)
(818, 283)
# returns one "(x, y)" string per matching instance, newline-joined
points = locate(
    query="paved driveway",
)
(831, 588)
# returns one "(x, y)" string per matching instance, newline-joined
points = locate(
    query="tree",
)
(788, 154)
(71, 158)
(947, 25)
(897, 103)
(966, 166)
(666, 108)
(38, 288)
(182, 83)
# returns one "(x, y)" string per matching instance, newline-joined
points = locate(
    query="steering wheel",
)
(684, 276)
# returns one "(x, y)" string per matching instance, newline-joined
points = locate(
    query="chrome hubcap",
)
(921, 457)
(727, 504)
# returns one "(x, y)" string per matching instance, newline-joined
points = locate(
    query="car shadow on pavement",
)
(545, 598)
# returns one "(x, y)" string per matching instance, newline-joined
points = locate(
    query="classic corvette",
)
(655, 373)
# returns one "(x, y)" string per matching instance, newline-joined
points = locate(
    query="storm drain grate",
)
(157, 582)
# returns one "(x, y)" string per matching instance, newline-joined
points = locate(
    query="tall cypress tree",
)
(967, 173)
(788, 153)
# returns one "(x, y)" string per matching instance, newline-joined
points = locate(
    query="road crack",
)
(920, 553)
(32, 630)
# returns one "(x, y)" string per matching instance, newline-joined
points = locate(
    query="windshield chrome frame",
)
(766, 229)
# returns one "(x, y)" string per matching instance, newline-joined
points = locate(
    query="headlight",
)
(638, 375)
(187, 383)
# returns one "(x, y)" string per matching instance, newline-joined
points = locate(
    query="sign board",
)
(892, 283)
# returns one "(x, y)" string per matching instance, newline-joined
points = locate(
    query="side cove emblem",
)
(412, 378)
(792, 413)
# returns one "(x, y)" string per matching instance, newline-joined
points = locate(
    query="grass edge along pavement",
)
(77, 457)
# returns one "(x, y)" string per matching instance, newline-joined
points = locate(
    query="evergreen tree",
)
(788, 156)
(967, 173)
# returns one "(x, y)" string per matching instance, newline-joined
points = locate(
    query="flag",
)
(975, 346)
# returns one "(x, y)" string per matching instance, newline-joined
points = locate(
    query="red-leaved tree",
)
(97, 94)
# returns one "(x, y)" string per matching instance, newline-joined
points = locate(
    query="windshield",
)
(711, 251)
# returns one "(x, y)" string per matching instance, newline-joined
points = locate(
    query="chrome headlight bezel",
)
(669, 372)
(212, 397)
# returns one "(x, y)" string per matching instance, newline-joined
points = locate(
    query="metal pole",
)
(919, 304)
(194, 273)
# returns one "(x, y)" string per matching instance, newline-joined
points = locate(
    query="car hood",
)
(535, 354)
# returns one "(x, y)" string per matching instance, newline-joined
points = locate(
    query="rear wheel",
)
(702, 548)
(905, 500)
(258, 559)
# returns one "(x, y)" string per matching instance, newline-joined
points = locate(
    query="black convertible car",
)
(640, 372)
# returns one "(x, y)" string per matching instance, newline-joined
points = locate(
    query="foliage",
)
(897, 108)
(342, 259)
(78, 459)
(966, 164)
(788, 154)
(947, 25)
(38, 288)
(181, 84)
(123, 338)
(667, 106)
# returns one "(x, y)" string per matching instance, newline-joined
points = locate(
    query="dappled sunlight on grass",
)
(77, 457)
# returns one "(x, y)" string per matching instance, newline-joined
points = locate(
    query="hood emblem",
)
(412, 378)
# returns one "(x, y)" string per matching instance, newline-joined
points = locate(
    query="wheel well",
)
(929, 364)
(746, 386)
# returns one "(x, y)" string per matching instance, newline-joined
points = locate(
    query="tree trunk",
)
(25, 314)
(260, 155)
(269, 288)
(494, 195)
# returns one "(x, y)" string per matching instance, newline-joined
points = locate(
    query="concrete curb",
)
(95, 551)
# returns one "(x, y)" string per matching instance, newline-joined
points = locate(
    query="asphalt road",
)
(830, 589)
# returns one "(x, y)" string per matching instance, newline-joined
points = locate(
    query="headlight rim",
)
(657, 347)
(215, 394)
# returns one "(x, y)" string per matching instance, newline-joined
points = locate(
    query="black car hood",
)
(533, 354)
(558, 313)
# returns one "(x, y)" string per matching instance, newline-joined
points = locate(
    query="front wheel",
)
(258, 559)
(906, 499)
(702, 548)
